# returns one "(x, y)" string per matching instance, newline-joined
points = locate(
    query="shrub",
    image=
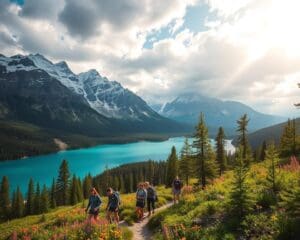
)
(258, 227)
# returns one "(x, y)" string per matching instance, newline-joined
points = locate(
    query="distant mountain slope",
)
(41, 101)
(108, 98)
(31, 95)
(186, 108)
(272, 133)
(35, 90)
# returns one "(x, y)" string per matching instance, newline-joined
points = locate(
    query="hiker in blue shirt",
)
(113, 205)
(141, 196)
(94, 204)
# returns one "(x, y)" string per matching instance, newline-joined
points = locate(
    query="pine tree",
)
(243, 140)
(262, 156)
(240, 199)
(30, 198)
(150, 175)
(4, 199)
(37, 200)
(272, 159)
(211, 167)
(220, 150)
(186, 162)
(53, 195)
(44, 207)
(135, 180)
(116, 183)
(79, 190)
(288, 140)
(131, 182)
(63, 184)
(290, 201)
(201, 145)
(122, 187)
(13, 204)
(172, 167)
(73, 191)
(87, 185)
(18, 207)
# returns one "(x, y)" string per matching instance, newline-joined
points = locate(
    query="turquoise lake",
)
(88, 160)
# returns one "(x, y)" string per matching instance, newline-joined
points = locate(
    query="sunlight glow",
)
(275, 26)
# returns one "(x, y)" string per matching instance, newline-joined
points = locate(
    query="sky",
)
(245, 50)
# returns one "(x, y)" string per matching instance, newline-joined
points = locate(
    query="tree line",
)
(125, 178)
(65, 190)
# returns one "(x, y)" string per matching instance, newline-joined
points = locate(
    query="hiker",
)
(151, 198)
(113, 205)
(176, 188)
(141, 195)
(93, 205)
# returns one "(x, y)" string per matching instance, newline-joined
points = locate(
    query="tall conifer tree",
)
(172, 167)
(18, 208)
(220, 150)
(272, 159)
(243, 139)
(186, 165)
(63, 184)
(44, 200)
(37, 200)
(87, 185)
(4, 198)
(30, 198)
(53, 194)
(201, 146)
(73, 191)
(241, 201)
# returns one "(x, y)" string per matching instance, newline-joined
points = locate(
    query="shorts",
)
(176, 191)
(93, 212)
(140, 203)
(113, 209)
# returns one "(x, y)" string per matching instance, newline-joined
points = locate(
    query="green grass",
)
(205, 214)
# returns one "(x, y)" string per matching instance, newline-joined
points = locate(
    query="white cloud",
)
(249, 52)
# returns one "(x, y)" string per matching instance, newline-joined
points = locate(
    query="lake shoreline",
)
(93, 160)
(91, 142)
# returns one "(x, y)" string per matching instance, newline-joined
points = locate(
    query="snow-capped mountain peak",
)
(90, 75)
(60, 71)
(107, 97)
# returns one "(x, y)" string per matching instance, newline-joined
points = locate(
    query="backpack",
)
(117, 194)
(177, 184)
(150, 192)
(141, 193)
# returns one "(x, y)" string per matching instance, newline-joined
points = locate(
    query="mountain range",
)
(42, 101)
(186, 108)
(37, 91)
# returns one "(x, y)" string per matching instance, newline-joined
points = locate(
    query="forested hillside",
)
(272, 133)
(242, 195)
